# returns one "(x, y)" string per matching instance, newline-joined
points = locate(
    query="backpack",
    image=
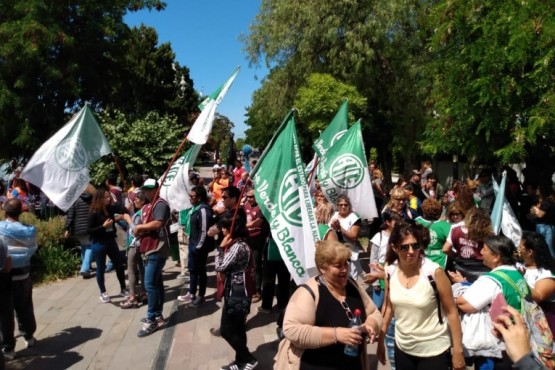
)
(541, 338)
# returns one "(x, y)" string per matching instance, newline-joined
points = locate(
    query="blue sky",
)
(205, 37)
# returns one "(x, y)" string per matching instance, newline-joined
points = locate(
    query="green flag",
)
(337, 127)
(281, 192)
(344, 170)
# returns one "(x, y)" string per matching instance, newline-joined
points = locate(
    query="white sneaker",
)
(30, 342)
(105, 298)
(187, 298)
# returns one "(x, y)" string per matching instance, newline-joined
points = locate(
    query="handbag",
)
(237, 303)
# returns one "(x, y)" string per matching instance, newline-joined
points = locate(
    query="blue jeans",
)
(547, 232)
(99, 252)
(86, 258)
(154, 285)
(378, 296)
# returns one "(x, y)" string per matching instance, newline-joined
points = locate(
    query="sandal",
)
(131, 302)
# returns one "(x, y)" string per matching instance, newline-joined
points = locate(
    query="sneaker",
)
(148, 328)
(232, 366)
(256, 298)
(160, 321)
(197, 301)
(125, 293)
(252, 364)
(105, 298)
(87, 275)
(8, 355)
(187, 298)
(109, 269)
(216, 332)
(183, 276)
(264, 310)
(30, 342)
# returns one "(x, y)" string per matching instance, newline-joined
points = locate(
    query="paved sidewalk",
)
(77, 331)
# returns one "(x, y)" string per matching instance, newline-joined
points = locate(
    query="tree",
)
(221, 131)
(144, 145)
(371, 45)
(492, 75)
(54, 56)
(321, 97)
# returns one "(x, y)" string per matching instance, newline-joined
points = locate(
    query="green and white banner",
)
(60, 168)
(203, 125)
(337, 128)
(282, 194)
(344, 170)
(176, 187)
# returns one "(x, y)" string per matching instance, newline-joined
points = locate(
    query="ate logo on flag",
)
(71, 155)
(347, 171)
(289, 200)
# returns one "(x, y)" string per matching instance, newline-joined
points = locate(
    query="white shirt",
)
(532, 275)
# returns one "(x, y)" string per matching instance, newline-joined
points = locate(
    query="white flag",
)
(176, 187)
(60, 166)
(502, 216)
(203, 125)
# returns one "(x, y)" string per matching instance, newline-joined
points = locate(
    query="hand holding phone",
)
(496, 308)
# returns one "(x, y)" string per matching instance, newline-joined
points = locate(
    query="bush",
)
(57, 257)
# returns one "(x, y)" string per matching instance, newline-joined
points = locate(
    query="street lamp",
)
(182, 85)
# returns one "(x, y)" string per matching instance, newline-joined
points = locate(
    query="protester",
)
(398, 204)
(379, 245)
(219, 183)
(539, 272)
(258, 229)
(439, 231)
(245, 182)
(233, 261)
(199, 246)
(324, 214)
(19, 191)
(485, 191)
(413, 202)
(415, 181)
(498, 253)
(274, 267)
(137, 292)
(456, 213)
(21, 242)
(346, 224)
(77, 225)
(316, 324)
(432, 188)
(101, 226)
(465, 242)
(238, 172)
(136, 183)
(425, 172)
(155, 248)
(544, 215)
(423, 340)
(218, 166)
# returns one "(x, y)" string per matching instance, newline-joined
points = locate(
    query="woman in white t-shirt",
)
(539, 273)
(379, 243)
(346, 224)
(422, 338)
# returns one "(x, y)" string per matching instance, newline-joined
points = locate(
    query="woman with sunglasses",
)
(346, 224)
(427, 325)
(316, 323)
(398, 203)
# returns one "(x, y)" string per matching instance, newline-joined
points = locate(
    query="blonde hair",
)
(90, 189)
(329, 252)
(324, 211)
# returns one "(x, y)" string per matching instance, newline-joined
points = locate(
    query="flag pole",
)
(236, 211)
(311, 173)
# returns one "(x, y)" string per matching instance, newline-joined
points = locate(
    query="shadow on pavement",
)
(54, 352)
(265, 353)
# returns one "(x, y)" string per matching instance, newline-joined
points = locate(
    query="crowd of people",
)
(434, 263)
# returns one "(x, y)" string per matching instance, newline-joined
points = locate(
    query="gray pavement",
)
(77, 331)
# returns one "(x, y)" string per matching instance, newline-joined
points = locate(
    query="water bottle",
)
(354, 323)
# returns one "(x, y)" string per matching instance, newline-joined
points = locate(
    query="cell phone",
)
(496, 308)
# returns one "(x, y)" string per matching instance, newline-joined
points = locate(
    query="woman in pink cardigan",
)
(316, 323)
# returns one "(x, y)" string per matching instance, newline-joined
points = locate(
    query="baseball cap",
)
(150, 184)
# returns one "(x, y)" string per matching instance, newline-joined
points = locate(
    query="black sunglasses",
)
(405, 247)
(347, 310)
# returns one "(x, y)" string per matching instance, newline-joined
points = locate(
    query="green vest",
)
(512, 296)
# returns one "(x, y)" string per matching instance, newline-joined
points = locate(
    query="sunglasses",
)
(343, 205)
(399, 199)
(347, 310)
(250, 196)
(405, 247)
